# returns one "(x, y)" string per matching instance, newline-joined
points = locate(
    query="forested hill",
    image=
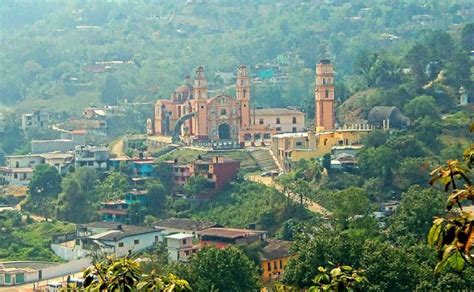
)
(52, 50)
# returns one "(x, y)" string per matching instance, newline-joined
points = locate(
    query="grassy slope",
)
(61, 102)
(31, 242)
(248, 203)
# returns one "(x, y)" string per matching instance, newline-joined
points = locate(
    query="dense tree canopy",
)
(223, 270)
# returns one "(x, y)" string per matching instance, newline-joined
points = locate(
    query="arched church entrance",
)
(224, 131)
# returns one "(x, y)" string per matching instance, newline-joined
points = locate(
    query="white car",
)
(54, 287)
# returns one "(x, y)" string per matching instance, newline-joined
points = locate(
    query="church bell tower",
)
(200, 96)
(243, 96)
(324, 96)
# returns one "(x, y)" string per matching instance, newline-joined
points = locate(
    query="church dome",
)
(182, 93)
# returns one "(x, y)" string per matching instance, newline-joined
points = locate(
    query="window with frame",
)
(278, 129)
(120, 244)
(136, 241)
(278, 121)
(294, 120)
(260, 121)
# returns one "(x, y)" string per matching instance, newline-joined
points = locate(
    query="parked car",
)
(54, 287)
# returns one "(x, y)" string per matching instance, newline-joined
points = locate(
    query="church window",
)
(223, 112)
(245, 92)
(327, 93)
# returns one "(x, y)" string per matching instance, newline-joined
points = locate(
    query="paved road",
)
(310, 205)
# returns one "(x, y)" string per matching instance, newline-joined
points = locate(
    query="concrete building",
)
(115, 211)
(289, 148)
(109, 238)
(183, 226)
(19, 168)
(21, 272)
(91, 157)
(181, 173)
(281, 119)
(273, 259)
(68, 142)
(223, 237)
(181, 247)
(37, 119)
(62, 161)
(143, 167)
(119, 210)
(219, 172)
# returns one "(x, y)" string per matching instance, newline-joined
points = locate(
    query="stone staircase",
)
(264, 159)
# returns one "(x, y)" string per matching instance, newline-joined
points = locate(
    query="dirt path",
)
(116, 148)
(310, 205)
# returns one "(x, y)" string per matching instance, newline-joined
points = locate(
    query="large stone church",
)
(193, 116)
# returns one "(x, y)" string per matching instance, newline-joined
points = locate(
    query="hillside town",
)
(286, 154)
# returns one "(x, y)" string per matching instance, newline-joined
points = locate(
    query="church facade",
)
(195, 117)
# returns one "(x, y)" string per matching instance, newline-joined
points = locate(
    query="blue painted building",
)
(119, 210)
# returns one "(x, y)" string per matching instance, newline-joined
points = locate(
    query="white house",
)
(108, 237)
(19, 168)
(180, 247)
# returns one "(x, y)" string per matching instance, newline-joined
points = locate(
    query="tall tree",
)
(227, 269)
(157, 198)
(78, 202)
(43, 189)
(414, 216)
(467, 37)
(13, 137)
(111, 90)
(422, 106)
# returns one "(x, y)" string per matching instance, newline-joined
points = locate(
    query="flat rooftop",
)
(185, 224)
(180, 236)
(229, 232)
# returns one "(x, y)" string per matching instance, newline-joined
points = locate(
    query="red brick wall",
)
(225, 172)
